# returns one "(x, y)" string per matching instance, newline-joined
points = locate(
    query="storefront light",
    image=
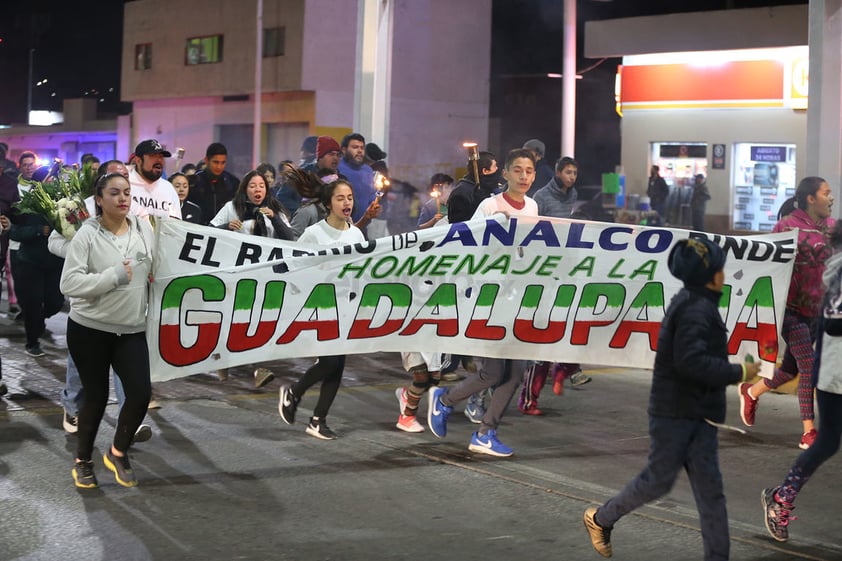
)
(714, 58)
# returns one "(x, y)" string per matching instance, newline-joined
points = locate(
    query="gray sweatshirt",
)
(554, 202)
(101, 295)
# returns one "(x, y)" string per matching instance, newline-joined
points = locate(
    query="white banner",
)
(525, 288)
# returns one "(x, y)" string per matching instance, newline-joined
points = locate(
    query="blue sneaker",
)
(437, 412)
(475, 408)
(488, 444)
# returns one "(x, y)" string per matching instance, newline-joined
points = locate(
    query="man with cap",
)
(373, 153)
(686, 402)
(151, 193)
(328, 153)
(543, 170)
(308, 152)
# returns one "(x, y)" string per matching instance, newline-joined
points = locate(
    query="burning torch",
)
(473, 157)
(381, 183)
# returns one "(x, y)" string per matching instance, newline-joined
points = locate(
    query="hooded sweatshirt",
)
(101, 295)
(805, 287)
(830, 375)
(554, 201)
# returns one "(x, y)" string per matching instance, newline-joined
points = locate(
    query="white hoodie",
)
(101, 295)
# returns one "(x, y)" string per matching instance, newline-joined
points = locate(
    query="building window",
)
(274, 39)
(143, 56)
(204, 50)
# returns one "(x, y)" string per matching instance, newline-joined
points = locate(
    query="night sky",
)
(77, 49)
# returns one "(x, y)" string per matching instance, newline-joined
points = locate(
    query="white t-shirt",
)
(497, 203)
(322, 233)
(228, 213)
(157, 199)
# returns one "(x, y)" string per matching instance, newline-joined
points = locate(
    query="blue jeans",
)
(73, 393)
(675, 444)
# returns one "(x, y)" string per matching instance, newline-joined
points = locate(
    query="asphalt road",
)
(224, 478)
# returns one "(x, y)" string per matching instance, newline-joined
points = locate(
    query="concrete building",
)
(81, 131)
(722, 93)
(189, 70)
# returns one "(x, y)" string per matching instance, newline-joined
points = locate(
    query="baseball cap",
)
(151, 146)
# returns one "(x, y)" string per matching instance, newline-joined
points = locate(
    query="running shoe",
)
(748, 405)
(319, 429)
(777, 515)
(437, 412)
(83, 475)
(123, 472)
(600, 537)
(807, 439)
(489, 444)
(409, 423)
(287, 404)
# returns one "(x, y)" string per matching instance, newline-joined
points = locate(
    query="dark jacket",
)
(691, 365)
(658, 190)
(543, 174)
(28, 229)
(466, 197)
(212, 192)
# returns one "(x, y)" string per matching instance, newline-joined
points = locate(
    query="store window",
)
(764, 177)
(274, 40)
(203, 50)
(679, 162)
(143, 56)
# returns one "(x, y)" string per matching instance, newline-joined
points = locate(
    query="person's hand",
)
(5, 224)
(267, 211)
(752, 369)
(235, 225)
(127, 264)
(373, 210)
(45, 229)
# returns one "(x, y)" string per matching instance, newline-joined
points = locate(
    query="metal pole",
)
(29, 86)
(258, 88)
(568, 82)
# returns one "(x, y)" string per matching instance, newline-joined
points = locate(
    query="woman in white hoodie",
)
(105, 274)
(778, 501)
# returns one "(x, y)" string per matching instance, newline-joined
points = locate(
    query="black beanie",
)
(695, 261)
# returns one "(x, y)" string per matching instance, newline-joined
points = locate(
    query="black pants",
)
(94, 353)
(39, 296)
(327, 370)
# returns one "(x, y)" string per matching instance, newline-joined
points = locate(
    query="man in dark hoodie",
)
(686, 402)
(467, 195)
(214, 186)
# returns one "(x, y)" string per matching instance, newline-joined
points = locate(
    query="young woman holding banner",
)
(335, 230)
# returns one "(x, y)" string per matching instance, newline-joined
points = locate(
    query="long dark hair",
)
(246, 210)
(101, 184)
(807, 187)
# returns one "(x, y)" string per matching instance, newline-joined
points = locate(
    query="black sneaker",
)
(287, 404)
(34, 350)
(83, 475)
(123, 472)
(142, 434)
(319, 429)
(70, 423)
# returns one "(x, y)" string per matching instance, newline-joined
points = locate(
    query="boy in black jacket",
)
(687, 399)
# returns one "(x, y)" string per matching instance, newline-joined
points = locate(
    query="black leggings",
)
(327, 370)
(94, 352)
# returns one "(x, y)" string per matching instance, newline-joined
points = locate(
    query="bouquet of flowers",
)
(60, 198)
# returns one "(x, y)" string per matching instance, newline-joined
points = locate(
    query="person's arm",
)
(76, 279)
(282, 230)
(58, 244)
(373, 211)
(691, 357)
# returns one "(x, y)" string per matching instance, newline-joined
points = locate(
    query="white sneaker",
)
(400, 393)
(70, 423)
(409, 423)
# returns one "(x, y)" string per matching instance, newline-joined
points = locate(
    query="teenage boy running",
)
(501, 374)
